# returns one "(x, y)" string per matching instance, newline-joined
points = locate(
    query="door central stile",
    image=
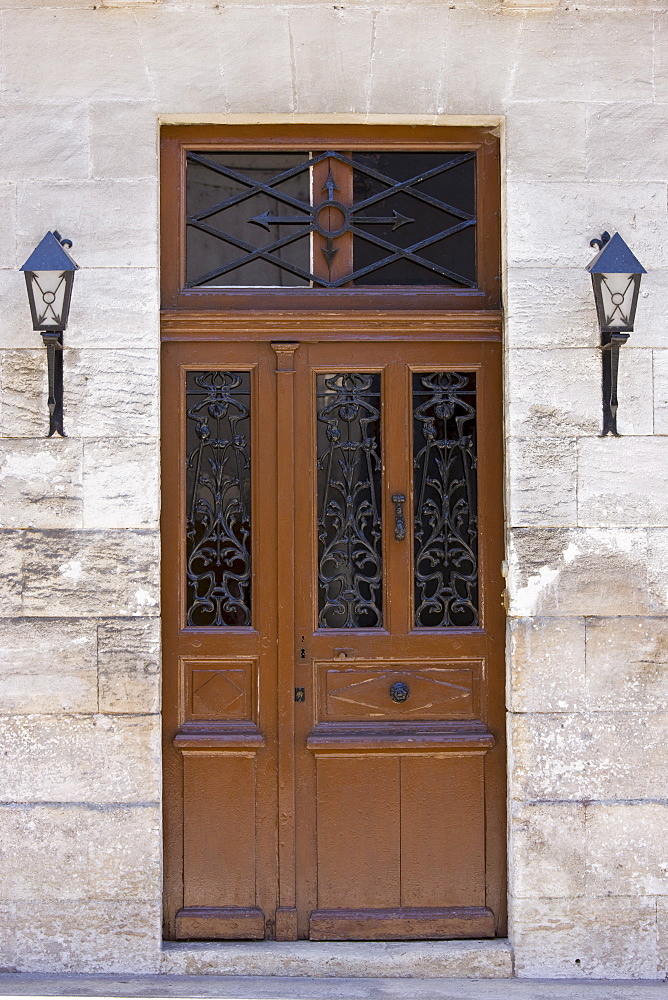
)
(286, 912)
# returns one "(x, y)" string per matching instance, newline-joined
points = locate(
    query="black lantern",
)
(49, 273)
(616, 274)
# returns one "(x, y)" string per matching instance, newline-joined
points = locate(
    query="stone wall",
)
(580, 94)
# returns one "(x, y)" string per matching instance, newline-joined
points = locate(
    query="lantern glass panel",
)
(617, 295)
(50, 295)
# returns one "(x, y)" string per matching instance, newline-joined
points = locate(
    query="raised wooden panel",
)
(358, 832)
(441, 690)
(402, 924)
(218, 689)
(442, 831)
(219, 829)
(220, 923)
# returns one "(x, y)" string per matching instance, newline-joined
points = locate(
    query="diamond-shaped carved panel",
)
(219, 690)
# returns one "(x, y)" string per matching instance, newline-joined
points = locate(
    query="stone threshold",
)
(492, 959)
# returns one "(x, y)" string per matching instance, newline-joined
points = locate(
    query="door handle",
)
(399, 499)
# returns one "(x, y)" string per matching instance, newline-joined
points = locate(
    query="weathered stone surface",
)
(41, 483)
(11, 572)
(627, 664)
(327, 41)
(567, 57)
(15, 322)
(610, 471)
(46, 937)
(109, 852)
(543, 481)
(112, 393)
(8, 226)
(47, 666)
(657, 569)
(546, 141)
(651, 329)
(123, 139)
(263, 80)
(121, 486)
(550, 307)
(621, 755)
(635, 402)
(554, 393)
(546, 664)
(553, 223)
(129, 665)
(25, 391)
(104, 57)
(480, 85)
(96, 573)
(182, 44)
(407, 84)
(612, 938)
(547, 850)
(661, 58)
(627, 849)
(80, 758)
(52, 140)
(615, 134)
(660, 392)
(112, 223)
(583, 571)
(115, 305)
(662, 933)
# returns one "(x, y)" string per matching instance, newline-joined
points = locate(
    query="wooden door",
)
(334, 694)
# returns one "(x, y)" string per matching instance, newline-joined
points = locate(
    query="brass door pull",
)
(399, 500)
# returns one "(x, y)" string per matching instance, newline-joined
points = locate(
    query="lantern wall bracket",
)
(54, 357)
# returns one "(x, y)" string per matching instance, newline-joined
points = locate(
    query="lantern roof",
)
(50, 255)
(614, 257)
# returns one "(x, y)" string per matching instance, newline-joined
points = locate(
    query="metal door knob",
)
(399, 691)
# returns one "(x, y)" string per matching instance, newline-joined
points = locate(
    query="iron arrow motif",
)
(396, 220)
(266, 219)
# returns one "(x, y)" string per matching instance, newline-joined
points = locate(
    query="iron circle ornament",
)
(399, 692)
(331, 234)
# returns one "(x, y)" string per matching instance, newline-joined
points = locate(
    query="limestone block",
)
(8, 225)
(80, 758)
(550, 307)
(56, 937)
(90, 573)
(47, 666)
(111, 393)
(15, 321)
(551, 224)
(660, 378)
(622, 481)
(615, 135)
(24, 393)
(48, 141)
(566, 57)
(262, 80)
(80, 852)
(543, 481)
(120, 483)
(129, 665)
(124, 138)
(611, 938)
(661, 57)
(657, 569)
(413, 83)
(635, 414)
(11, 571)
(662, 930)
(546, 659)
(627, 849)
(554, 393)
(104, 56)
(332, 58)
(40, 481)
(546, 140)
(583, 571)
(480, 51)
(112, 223)
(621, 755)
(627, 664)
(547, 850)
(183, 57)
(114, 306)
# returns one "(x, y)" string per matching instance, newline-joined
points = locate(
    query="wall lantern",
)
(49, 273)
(616, 274)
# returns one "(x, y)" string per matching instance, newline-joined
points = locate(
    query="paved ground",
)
(263, 988)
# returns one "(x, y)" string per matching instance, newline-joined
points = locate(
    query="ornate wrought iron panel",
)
(350, 568)
(445, 499)
(218, 484)
(411, 219)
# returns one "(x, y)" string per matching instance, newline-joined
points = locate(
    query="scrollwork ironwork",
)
(445, 504)
(218, 487)
(349, 521)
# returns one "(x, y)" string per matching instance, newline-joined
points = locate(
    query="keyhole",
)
(302, 651)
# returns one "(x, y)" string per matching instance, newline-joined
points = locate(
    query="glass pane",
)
(617, 291)
(49, 288)
(445, 499)
(417, 214)
(218, 486)
(349, 501)
(231, 202)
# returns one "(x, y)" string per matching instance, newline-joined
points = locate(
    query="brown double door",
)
(333, 646)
